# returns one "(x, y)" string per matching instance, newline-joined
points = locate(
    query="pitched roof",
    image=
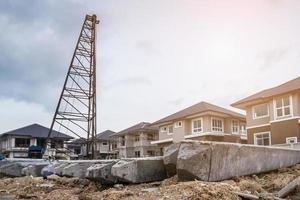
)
(105, 135)
(36, 130)
(142, 126)
(198, 108)
(280, 89)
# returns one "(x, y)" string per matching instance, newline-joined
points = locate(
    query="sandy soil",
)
(62, 188)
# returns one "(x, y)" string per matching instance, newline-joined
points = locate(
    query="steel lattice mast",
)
(76, 109)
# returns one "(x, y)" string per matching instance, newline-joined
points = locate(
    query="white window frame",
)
(197, 119)
(136, 138)
(211, 124)
(289, 138)
(238, 126)
(282, 108)
(253, 111)
(260, 133)
(168, 129)
(178, 124)
(245, 130)
(164, 129)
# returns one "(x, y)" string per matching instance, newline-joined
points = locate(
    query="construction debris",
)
(264, 186)
(289, 188)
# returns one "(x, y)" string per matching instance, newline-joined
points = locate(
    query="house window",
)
(260, 111)
(262, 139)
(150, 137)
(57, 143)
(217, 125)
(104, 143)
(170, 129)
(243, 128)
(163, 129)
(283, 107)
(235, 126)
(197, 126)
(291, 140)
(151, 153)
(178, 124)
(137, 138)
(41, 142)
(137, 154)
(123, 141)
(114, 145)
(22, 142)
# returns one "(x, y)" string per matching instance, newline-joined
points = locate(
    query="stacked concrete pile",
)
(190, 160)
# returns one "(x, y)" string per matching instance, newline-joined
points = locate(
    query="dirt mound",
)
(61, 188)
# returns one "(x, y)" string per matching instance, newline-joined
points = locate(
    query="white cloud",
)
(15, 114)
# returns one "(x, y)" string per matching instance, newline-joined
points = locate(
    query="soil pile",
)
(62, 188)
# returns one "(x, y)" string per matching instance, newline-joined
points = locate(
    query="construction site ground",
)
(63, 188)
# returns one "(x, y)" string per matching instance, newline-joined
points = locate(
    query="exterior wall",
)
(143, 145)
(252, 131)
(224, 138)
(279, 129)
(265, 120)
(9, 148)
(186, 129)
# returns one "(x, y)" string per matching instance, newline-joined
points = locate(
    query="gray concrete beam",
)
(170, 159)
(139, 170)
(102, 172)
(215, 161)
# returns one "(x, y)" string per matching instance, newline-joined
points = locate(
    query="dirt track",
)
(61, 188)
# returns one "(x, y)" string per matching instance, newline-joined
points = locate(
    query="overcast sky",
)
(154, 57)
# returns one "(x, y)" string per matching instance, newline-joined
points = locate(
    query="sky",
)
(154, 57)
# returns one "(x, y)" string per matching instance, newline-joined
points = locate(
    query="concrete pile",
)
(211, 161)
(190, 160)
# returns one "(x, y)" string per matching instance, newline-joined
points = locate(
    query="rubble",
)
(55, 187)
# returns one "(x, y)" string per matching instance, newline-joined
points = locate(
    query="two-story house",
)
(202, 121)
(106, 145)
(135, 141)
(16, 143)
(273, 114)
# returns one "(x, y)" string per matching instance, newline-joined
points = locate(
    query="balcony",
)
(198, 134)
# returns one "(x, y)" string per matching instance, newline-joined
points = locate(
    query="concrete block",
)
(13, 169)
(47, 170)
(216, 161)
(102, 173)
(170, 158)
(58, 168)
(76, 169)
(34, 170)
(140, 170)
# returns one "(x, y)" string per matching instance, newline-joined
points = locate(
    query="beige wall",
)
(143, 145)
(186, 128)
(256, 122)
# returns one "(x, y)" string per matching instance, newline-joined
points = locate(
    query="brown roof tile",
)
(281, 89)
(143, 126)
(198, 108)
